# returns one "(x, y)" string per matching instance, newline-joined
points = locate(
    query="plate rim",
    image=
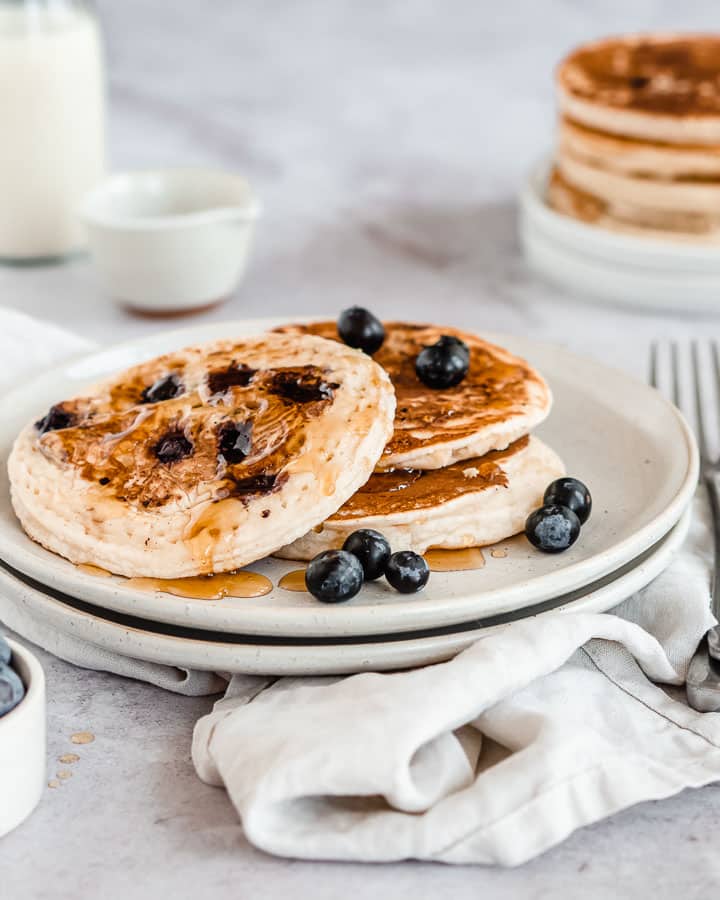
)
(356, 657)
(362, 619)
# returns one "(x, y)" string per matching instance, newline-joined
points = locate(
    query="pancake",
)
(203, 460)
(691, 196)
(500, 399)
(468, 504)
(628, 156)
(624, 218)
(656, 87)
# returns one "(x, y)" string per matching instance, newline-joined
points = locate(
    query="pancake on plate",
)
(467, 504)
(656, 87)
(203, 460)
(500, 399)
(624, 218)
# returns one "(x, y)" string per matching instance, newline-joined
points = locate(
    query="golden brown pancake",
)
(190, 463)
(629, 156)
(501, 398)
(576, 203)
(662, 87)
(467, 504)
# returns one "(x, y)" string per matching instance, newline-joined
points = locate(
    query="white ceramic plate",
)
(624, 439)
(189, 648)
(623, 269)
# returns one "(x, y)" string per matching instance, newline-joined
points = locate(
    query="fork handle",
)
(713, 489)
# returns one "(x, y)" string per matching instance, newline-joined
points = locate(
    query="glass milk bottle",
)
(52, 125)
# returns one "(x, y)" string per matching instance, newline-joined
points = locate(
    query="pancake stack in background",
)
(638, 148)
(462, 468)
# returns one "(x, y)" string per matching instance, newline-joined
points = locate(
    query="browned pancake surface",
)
(403, 490)
(230, 427)
(496, 386)
(668, 75)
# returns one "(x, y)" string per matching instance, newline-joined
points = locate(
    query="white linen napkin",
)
(538, 729)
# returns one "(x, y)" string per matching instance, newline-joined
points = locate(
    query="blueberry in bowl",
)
(22, 734)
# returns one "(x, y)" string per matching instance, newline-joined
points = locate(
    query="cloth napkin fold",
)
(536, 730)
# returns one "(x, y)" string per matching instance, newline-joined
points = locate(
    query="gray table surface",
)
(388, 141)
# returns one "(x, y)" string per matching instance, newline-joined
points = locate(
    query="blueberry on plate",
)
(371, 548)
(552, 528)
(334, 576)
(359, 328)
(407, 572)
(5, 652)
(571, 493)
(11, 689)
(444, 364)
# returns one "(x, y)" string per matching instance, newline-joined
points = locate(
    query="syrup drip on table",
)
(293, 581)
(455, 560)
(499, 553)
(208, 587)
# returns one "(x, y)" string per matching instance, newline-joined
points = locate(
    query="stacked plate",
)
(623, 269)
(621, 437)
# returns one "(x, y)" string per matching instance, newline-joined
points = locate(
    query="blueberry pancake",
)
(467, 504)
(500, 399)
(203, 460)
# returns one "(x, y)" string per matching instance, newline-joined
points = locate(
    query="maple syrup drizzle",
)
(293, 581)
(499, 553)
(208, 587)
(455, 560)
(89, 569)
(216, 522)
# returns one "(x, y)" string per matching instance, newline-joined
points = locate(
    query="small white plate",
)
(622, 269)
(188, 648)
(623, 438)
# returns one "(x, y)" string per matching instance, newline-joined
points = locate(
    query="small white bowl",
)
(23, 744)
(166, 242)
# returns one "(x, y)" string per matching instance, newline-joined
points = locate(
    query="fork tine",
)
(654, 364)
(716, 368)
(675, 364)
(698, 398)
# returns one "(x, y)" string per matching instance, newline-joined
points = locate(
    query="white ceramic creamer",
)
(52, 123)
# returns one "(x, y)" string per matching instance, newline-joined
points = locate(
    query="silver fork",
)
(703, 679)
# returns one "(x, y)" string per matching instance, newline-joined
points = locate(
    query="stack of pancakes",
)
(209, 458)
(461, 468)
(639, 137)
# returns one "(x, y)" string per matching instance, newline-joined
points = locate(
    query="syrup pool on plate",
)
(293, 581)
(208, 587)
(455, 560)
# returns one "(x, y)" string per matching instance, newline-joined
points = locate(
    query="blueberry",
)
(235, 441)
(173, 447)
(5, 651)
(55, 419)
(11, 689)
(444, 364)
(407, 572)
(165, 388)
(571, 493)
(552, 528)
(371, 548)
(359, 328)
(334, 576)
